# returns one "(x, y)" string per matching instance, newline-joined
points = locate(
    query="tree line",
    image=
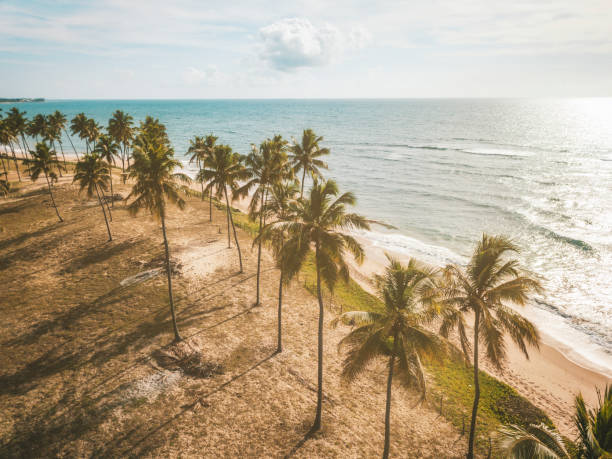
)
(297, 224)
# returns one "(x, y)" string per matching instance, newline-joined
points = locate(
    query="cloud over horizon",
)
(292, 43)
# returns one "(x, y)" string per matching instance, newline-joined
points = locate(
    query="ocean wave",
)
(578, 243)
(406, 245)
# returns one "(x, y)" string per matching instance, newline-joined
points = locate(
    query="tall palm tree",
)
(42, 161)
(57, 122)
(397, 332)
(198, 153)
(93, 131)
(93, 174)
(54, 130)
(594, 428)
(78, 127)
(20, 126)
(305, 156)
(108, 149)
(37, 127)
(7, 137)
(265, 166)
(221, 170)
(489, 282)
(120, 129)
(279, 207)
(317, 223)
(156, 185)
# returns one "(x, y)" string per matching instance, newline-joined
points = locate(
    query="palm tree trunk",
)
(4, 166)
(53, 199)
(470, 453)
(261, 211)
(229, 241)
(202, 182)
(110, 237)
(177, 336)
(210, 203)
(229, 209)
(26, 147)
(62, 150)
(317, 422)
(279, 345)
(112, 192)
(15, 160)
(75, 151)
(59, 169)
(303, 177)
(388, 405)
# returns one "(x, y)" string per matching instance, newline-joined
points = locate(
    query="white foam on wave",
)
(497, 152)
(400, 244)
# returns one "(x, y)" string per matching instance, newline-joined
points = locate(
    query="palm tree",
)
(93, 174)
(42, 161)
(594, 428)
(278, 206)
(198, 153)
(54, 130)
(317, 223)
(397, 332)
(20, 126)
(305, 156)
(57, 122)
(265, 166)
(120, 129)
(221, 170)
(92, 131)
(78, 126)
(108, 149)
(7, 137)
(37, 127)
(483, 289)
(156, 184)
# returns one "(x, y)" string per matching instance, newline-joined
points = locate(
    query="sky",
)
(150, 49)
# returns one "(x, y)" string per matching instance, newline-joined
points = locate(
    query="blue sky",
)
(312, 48)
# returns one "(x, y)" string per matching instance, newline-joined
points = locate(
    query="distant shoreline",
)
(20, 100)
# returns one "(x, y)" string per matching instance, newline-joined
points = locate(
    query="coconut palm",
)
(198, 153)
(92, 131)
(156, 185)
(7, 137)
(316, 224)
(37, 127)
(57, 123)
(120, 129)
(279, 207)
(594, 428)
(531, 442)
(78, 126)
(397, 332)
(221, 170)
(93, 174)
(54, 131)
(265, 166)
(305, 156)
(42, 161)
(483, 289)
(20, 126)
(108, 149)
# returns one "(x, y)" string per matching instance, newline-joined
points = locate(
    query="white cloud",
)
(295, 42)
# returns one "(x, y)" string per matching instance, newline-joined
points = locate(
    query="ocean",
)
(443, 171)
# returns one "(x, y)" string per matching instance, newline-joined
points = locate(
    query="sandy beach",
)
(549, 379)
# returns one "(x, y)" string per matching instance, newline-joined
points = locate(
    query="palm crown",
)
(43, 160)
(92, 172)
(305, 156)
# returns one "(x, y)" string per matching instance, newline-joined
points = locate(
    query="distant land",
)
(21, 99)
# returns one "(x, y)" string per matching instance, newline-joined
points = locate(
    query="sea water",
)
(443, 171)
